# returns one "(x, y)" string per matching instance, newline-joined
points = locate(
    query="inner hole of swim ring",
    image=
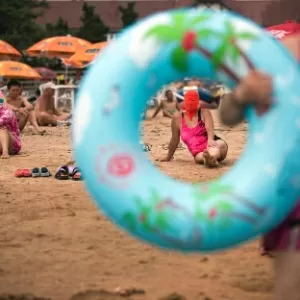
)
(155, 130)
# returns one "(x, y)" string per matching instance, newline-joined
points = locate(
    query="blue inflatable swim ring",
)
(253, 197)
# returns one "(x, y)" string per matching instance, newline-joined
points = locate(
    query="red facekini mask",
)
(191, 103)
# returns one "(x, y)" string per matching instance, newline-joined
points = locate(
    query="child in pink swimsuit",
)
(9, 129)
(195, 138)
(194, 132)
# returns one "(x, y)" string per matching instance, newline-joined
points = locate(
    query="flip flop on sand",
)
(22, 173)
(36, 172)
(45, 172)
(76, 174)
(26, 173)
(19, 173)
(62, 173)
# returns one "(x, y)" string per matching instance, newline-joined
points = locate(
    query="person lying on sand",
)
(10, 142)
(45, 110)
(168, 105)
(21, 107)
(196, 128)
(284, 241)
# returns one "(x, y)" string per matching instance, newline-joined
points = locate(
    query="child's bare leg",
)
(167, 115)
(62, 117)
(208, 157)
(223, 148)
(23, 119)
(46, 119)
(211, 156)
(33, 122)
(4, 143)
(199, 159)
(287, 279)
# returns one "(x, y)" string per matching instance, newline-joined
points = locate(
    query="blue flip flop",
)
(45, 172)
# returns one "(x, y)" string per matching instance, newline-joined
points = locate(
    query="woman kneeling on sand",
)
(196, 129)
(10, 142)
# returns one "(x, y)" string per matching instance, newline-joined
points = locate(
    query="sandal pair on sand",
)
(66, 172)
(35, 172)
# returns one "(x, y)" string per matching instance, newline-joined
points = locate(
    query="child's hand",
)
(256, 88)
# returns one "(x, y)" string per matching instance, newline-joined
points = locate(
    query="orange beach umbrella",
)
(8, 51)
(15, 69)
(85, 56)
(70, 64)
(59, 46)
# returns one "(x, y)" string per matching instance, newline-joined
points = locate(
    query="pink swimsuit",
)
(195, 138)
(9, 121)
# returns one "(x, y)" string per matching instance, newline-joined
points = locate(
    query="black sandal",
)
(62, 173)
(76, 174)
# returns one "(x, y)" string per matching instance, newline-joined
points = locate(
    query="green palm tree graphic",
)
(224, 209)
(180, 30)
(206, 192)
(156, 217)
(229, 45)
(185, 32)
(151, 217)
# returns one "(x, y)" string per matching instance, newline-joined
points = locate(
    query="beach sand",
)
(54, 243)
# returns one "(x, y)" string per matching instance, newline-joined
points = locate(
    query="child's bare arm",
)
(26, 104)
(256, 89)
(231, 111)
(158, 109)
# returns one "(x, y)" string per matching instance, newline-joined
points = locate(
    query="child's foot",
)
(5, 156)
(209, 160)
(40, 131)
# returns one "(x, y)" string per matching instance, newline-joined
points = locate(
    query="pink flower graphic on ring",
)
(212, 213)
(120, 165)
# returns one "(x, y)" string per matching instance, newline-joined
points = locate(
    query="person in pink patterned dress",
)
(10, 142)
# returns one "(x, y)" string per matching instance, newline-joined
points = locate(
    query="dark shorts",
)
(287, 235)
(216, 138)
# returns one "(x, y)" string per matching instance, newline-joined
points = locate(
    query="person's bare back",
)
(45, 104)
(45, 110)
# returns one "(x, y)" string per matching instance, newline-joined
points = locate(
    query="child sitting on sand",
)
(23, 110)
(168, 105)
(10, 142)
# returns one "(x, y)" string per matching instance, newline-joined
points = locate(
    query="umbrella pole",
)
(66, 72)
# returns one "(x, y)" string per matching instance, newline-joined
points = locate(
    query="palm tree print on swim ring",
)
(221, 212)
(156, 215)
(185, 33)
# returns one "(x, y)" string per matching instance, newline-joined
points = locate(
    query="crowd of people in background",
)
(186, 103)
(16, 111)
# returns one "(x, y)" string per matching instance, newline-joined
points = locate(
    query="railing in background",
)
(30, 86)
